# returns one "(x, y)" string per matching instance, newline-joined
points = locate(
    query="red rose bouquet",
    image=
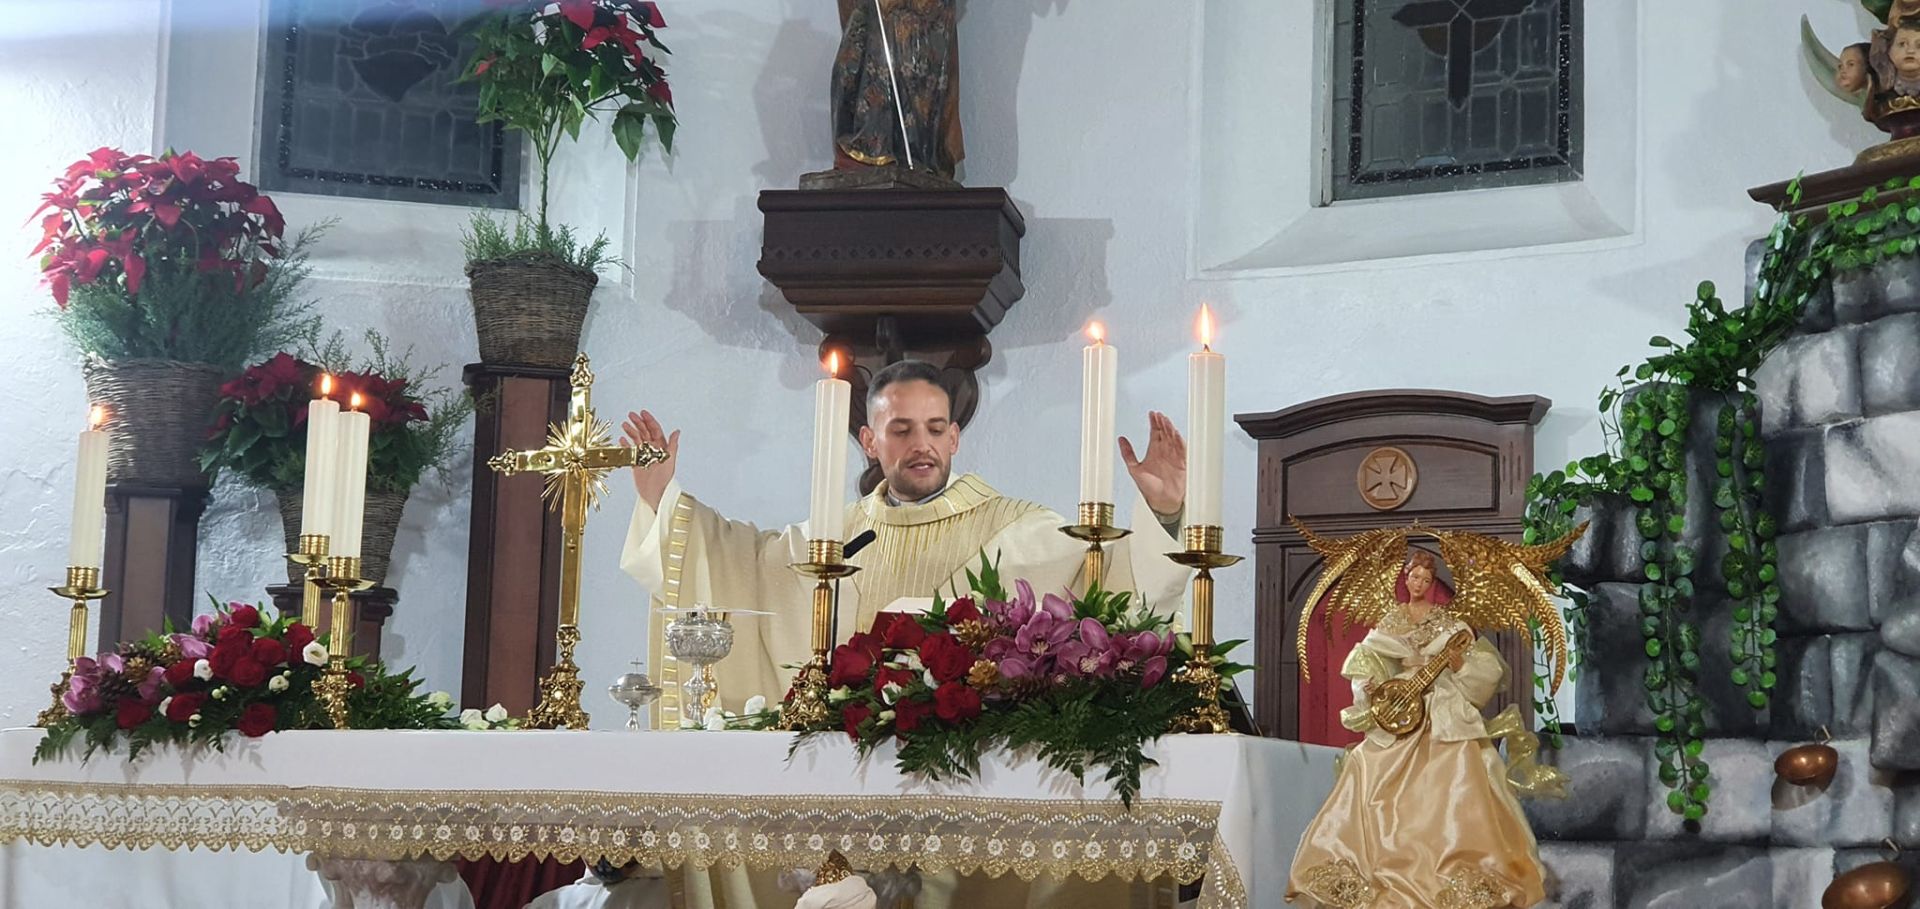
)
(236, 670)
(1086, 683)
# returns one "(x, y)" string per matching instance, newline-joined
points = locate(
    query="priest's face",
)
(910, 432)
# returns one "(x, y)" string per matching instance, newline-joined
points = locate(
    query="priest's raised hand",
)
(642, 429)
(1162, 474)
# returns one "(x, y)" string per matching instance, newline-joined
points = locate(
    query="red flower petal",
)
(595, 37)
(579, 12)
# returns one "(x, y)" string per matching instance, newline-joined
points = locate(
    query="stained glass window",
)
(361, 98)
(1441, 95)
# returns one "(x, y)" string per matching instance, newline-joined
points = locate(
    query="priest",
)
(928, 528)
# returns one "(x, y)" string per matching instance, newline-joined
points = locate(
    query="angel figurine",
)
(1424, 813)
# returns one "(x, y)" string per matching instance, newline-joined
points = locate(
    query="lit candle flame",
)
(1205, 327)
(355, 405)
(833, 363)
(326, 385)
(1097, 332)
(95, 417)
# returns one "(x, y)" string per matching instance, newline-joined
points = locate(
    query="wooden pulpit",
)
(1354, 462)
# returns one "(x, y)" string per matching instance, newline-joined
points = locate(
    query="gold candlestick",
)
(312, 556)
(1095, 529)
(342, 577)
(808, 707)
(1203, 554)
(82, 584)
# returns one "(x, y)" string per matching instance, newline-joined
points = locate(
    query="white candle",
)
(1206, 423)
(316, 499)
(832, 402)
(1099, 374)
(350, 508)
(89, 541)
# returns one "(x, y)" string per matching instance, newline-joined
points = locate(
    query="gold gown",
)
(1428, 820)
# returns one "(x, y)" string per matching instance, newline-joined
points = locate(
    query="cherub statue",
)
(1881, 76)
(1424, 810)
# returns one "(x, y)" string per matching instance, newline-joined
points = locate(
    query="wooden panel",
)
(153, 537)
(513, 556)
(1474, 455)
(1452, 477)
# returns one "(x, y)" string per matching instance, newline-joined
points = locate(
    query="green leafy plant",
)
(545, 69)
(1645, 419)
(260, 434)
(488, 240)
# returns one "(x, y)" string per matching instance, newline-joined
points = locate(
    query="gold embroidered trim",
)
(1438, 623)
(666, 669)
(993, 837)
(1338, 884)
(1472, 888)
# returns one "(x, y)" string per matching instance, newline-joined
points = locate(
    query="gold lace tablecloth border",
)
(1156, 838)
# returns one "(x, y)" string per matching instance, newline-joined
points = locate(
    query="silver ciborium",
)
(699, 638)
(634, 691)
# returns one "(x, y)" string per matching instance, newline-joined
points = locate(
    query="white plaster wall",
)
(1088, 112)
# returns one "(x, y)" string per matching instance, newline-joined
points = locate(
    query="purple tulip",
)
(203, 626)
(1152, 671)
(83, 689)
(149, 688)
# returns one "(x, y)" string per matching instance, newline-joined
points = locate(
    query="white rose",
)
(193, 720)
(886, 716)
(910, 660)
(439, 700)
(496, 714)
(927, 674)
(277, 684)
(890, 693)
(163, 705)
(202, 670)
(471, 718)
(315, 653)
(756, 704)
(689, 721)
(716, 721)
(839, 694)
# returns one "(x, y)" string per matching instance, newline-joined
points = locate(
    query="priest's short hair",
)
(907, 371)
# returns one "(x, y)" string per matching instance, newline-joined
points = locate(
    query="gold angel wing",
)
(1499, 585)
(1357, 580)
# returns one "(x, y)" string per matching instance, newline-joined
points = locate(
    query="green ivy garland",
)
(1645, 420)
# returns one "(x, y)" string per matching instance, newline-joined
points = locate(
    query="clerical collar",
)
(962, 494)
(896, 503)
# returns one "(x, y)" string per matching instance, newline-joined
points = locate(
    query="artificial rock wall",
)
(1840, 419)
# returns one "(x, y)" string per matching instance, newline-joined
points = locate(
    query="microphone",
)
(859, 542)
(847, 551)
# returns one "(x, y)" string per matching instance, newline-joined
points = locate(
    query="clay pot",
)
(1807, 765)
(1880, 885)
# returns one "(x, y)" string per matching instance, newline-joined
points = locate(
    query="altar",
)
(1225, 811)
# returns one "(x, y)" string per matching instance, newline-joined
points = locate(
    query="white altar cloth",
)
(1225, 809)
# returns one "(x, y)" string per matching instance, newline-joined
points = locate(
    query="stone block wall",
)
(1840, 419)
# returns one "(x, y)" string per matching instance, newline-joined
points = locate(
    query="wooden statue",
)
(896, 89)
(1881, 75)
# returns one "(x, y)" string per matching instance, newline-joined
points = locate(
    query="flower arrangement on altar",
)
(1085, 683)
(259, 433)
(236, 670)
(545, 68)
(171, 257)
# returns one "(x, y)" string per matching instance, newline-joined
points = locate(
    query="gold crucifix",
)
(579, 454)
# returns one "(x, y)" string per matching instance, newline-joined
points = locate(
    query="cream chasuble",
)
(689, 555)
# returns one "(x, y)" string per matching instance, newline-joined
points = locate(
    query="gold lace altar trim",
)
(1339, 885)
(1472, 888)
(993, 837)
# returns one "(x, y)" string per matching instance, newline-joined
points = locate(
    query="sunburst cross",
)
(579, 454)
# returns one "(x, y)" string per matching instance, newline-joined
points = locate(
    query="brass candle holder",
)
(1095, 529)
(807, 708)
(1203, 554)
(341, 577)
(312, 557)
(82, 584)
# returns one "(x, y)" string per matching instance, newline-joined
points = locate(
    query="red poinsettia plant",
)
(112, 215)
(544, 68)
(1087, 682)
(260, 429)
(171, 257)
(239, 669)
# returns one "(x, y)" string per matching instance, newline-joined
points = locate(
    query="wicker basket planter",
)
(529, 313)
(376, 535)
(159, 411)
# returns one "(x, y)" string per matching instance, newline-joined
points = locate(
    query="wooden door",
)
(1354, 462)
